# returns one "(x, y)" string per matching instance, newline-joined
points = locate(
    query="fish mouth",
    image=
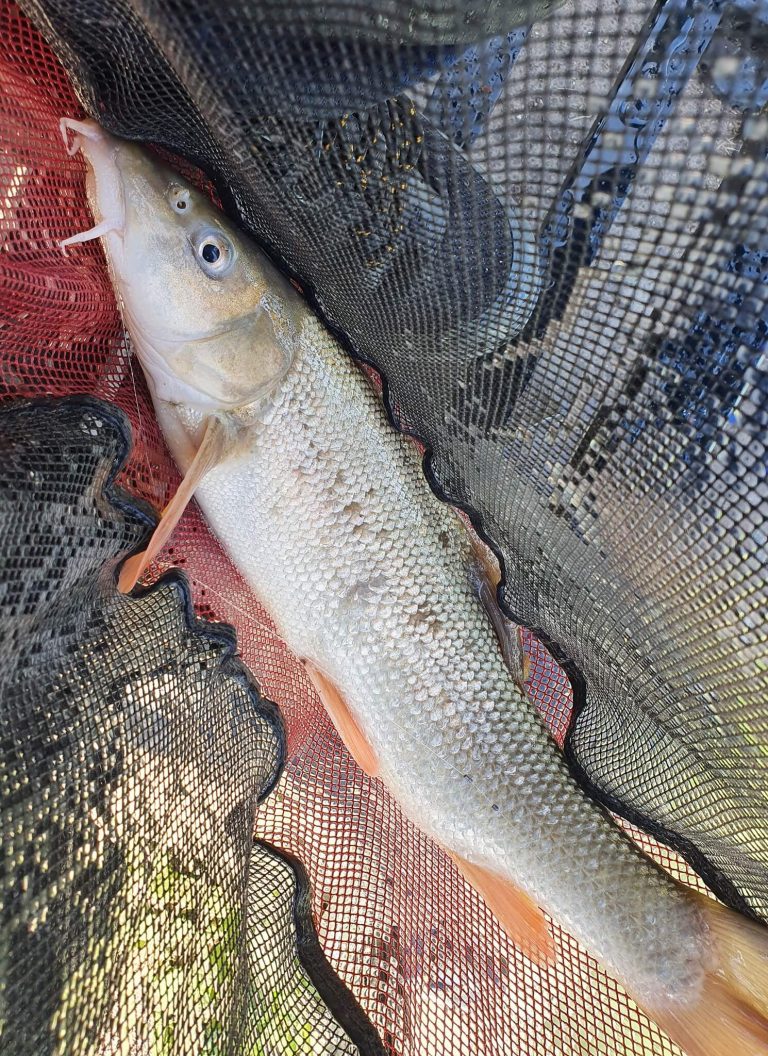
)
(104, 185)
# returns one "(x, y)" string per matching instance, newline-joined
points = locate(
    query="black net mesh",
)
(138, 915)
(566, 294)
(553, 244)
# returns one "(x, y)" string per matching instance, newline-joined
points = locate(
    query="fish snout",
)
(84, 130)
(105, 187)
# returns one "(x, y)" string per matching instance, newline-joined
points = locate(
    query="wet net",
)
(547, 229)
(139, 915)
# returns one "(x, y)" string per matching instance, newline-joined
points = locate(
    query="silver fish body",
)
(325, 511)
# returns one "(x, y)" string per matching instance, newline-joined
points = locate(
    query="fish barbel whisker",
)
(88, 132)
(80, 128)
(96, 231)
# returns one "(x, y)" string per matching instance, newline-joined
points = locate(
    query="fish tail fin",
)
(730, 1015)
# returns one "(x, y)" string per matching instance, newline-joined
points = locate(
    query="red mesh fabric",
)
(426, 959)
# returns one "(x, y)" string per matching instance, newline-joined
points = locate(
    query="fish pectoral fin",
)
(517, 913)
(216, 444)
(342, 718)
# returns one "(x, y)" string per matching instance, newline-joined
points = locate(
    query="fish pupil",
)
(210, 253)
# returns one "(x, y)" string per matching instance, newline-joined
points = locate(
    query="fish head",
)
(213, 323)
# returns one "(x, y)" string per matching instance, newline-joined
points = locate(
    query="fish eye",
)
(179, 198)
(214, 252)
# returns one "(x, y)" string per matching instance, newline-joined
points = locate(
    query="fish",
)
(378, 588)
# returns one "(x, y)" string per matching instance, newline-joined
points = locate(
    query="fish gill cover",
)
(553, 244)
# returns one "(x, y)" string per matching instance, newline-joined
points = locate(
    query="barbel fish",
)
(376, 585)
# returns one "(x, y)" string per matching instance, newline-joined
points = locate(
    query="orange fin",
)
(517, 913)
(486, 561)
(729, 1016)
(344, 721)
(216, 444)
(526, 660)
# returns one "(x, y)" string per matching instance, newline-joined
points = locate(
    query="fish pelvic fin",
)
(347, 727)
(218, 441)
(730, 1015)
(522, 920)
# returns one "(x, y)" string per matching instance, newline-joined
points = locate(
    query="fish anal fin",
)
(342, 718)
(216, 444)
(522, 920)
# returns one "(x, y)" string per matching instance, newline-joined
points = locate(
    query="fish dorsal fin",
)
(342, 718)
(517, 913)
(508, 633)
(216, 444)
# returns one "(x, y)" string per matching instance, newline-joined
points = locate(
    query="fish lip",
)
(105, 187)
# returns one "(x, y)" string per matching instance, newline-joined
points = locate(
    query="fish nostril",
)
(178, 197)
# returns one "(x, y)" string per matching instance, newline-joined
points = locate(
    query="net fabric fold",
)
(138, 915)
(551, 245)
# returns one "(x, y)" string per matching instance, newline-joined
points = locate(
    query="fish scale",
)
(460, 746)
